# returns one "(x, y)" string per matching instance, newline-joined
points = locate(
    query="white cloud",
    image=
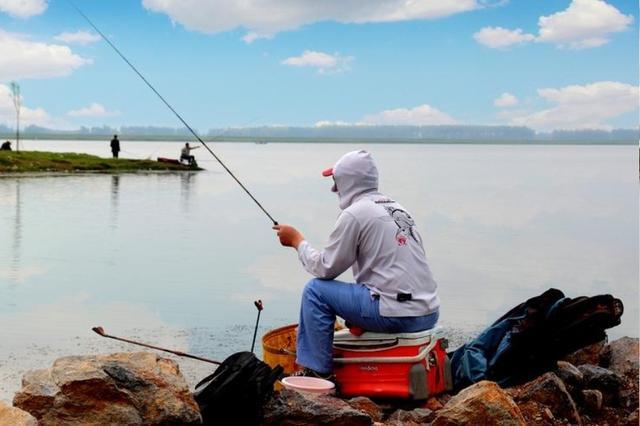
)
(498, 37)
(23, 8)
(251, 36)
(37, 116)
(21, 58)
(79, 37)
(423, 115)
(584, 24)
(93, 110)
(324, 62)
(582, 107)
(505, 100)
(268, 17)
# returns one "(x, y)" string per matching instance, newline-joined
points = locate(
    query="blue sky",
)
(545, 64)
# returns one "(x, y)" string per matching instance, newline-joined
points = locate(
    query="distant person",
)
(6, 146)
(185, 154)
(115, 146)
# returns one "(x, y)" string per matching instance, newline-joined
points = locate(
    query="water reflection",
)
(14, 271)
(115, 195)
(187, 181)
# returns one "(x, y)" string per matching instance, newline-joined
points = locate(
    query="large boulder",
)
(123, 388)
(292, 408)
(549, 391)
(591, 354)
(15, 417)
(606, 381)
(483, 403)
(623, 357)
(569, 374)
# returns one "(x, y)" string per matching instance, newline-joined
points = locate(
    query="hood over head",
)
(355, 174)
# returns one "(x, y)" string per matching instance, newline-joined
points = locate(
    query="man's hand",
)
(289, 236)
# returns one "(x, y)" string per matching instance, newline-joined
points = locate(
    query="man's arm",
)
(336, 258)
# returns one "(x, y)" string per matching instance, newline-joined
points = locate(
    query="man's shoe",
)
(307, 372)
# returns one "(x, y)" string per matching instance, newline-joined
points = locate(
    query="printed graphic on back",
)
(405, 224)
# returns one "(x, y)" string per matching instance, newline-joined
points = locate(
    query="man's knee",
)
(319, 289)
(312, 287)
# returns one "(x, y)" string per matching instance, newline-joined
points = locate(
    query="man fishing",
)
(185, 154)
(375, 236)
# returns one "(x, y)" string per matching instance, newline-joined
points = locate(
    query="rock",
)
(483, 403)
(549, 391)
(417, 416)
(591, 354)
(401, 423)
(15, 417)
(433, 404)
(41, 390)
(291, 408)
(569, 374)
(592, 400)
(634, 418)
(368, 406)
(537, 414)
(123, 388)
(623, 357)
(628, 398)
(600, 378)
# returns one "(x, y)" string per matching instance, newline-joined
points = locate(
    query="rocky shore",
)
(597, 385)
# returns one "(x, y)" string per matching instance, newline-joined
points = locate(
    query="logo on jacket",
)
(405, 225)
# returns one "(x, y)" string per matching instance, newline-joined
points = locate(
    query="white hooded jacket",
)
(377, 238)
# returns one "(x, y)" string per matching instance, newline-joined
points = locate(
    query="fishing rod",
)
(172, 109)
(100, 331)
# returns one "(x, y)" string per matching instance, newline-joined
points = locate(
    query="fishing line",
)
(172, 110)
(217, 136)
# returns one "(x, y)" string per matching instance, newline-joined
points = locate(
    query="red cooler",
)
(403, 365)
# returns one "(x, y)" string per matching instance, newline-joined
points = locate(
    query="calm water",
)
(179, 258)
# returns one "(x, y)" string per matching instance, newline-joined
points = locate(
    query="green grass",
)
(38, 161)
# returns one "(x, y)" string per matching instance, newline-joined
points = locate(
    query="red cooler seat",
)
(401, 365)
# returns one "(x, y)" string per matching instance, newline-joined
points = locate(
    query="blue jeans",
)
(322, 300)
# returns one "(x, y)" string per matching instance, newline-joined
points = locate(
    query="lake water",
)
(178, 259)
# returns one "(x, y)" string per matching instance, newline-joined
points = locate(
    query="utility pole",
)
(17, 101)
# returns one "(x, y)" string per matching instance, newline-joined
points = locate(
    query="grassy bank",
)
(37, 161)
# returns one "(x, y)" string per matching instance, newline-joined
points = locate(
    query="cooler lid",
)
(368, 338)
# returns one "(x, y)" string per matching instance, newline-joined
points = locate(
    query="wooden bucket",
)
(279, 348)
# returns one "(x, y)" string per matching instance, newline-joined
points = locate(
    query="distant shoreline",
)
(266, 140)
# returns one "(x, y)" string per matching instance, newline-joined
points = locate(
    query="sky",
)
(561, 64)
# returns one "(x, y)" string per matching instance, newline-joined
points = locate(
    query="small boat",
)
(168, 160)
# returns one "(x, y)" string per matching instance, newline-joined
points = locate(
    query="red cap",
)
(327, 172)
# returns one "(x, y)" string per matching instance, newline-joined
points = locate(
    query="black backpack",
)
(236, 391)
